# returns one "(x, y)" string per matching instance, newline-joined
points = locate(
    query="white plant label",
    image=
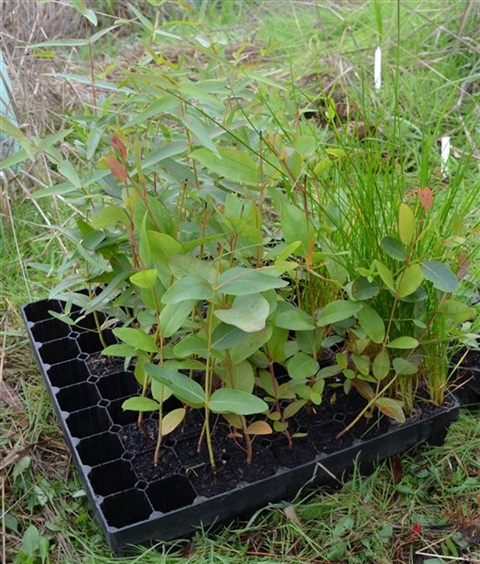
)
(377, 69)
(445, 154)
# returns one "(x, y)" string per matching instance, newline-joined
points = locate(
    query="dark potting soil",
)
(313, 432)
(101, 365)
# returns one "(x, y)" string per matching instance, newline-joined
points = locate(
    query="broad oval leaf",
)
(259, 428)
(372, 324)
(249, 313)
(381, 365)
(230, 163)
(403, 343)
(136, 338)
(140, 404)
(394, 248)
(404, 367)
(301, 366)
(409, 280)
(363, 289)
(162, 247)
(189, 288)
(456, 311)
(294, 319)
(338, 311)
(238, 281)
(173, 316)
(191, 345)
(440, 276)
(145, 278)
(226, 400)
(172, 420)
(296, 228)
(391, 408)
(406, 224)
(385, 274)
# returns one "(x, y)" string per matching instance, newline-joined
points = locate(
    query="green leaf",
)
(391, 408)
(455, 311)
(372, 324)
(200, 131)
(302, 366)
(403, 343)
(381, 365)
(362, 363)
(173, 316)
(136, 338)
(145, 278)
(404, 366)
(239, 376)
(406, 224)
(109, 216)
(140, 404)
(293, 408)
(226, 336)
(294, 319)
(394, 248)
(226, 400)
(249, 345)
(65, 168)
(238, 281)
(183, 387)
(125, 351)
(191, 345)
(440, 276)
(363, 289)
(189, 288)
(409, 280)
(385, 274)
(230, 163)
(338, 311)
(162, 247)
(249, 313)
(296, 227)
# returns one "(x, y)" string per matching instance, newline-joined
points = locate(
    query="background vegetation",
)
(423, 507)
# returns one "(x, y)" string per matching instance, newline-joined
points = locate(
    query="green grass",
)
(427, 507)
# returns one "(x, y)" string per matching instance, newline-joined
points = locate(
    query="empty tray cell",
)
(126, 508)
(113, 477)
(171, 493)
(49, 330)
(38, 311)
(100, 449)
(80, 396)
(87, 422)
(118, 385)
(67, 373)
(118, 415)
(89, 341)
(59, 351)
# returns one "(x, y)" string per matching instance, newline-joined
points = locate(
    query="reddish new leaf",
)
(117, 169)
(118, 144)
(425, 196)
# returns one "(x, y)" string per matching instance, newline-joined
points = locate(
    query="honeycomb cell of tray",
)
(59, 351)
(87, 422)
(100, 449)
(38, 311)
(67, 373)
(118, 415)
(50, 330)
(118, 385)
(126, 508)
(112, 477)
(171, 493)
(79, 396)
(87, 322)
(89, 341)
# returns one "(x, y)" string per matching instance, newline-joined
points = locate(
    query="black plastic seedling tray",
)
(137, 503)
